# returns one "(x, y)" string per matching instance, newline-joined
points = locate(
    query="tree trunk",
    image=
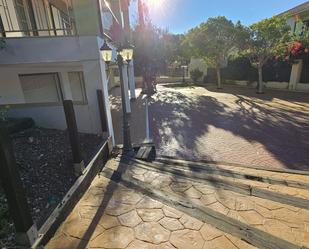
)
(260, 84)
(219, 77)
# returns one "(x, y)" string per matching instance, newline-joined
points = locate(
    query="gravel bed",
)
(44, 159)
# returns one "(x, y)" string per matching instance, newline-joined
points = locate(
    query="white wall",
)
(291, 23)
(304, 87)
(87, 115)
(10, 89)
(199, 64)
(277, 85)
(49, 49)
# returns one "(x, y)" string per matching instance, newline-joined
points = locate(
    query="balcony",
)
(26, 18)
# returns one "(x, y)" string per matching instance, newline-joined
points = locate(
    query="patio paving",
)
(256, 200)
(111, 215)
(152, 209)
(233, 125)
(137, 116)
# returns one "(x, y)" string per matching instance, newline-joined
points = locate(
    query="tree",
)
(214, 41)
(264, 40)
(156, 47)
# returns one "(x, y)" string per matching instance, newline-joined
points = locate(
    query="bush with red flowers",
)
(297, 50)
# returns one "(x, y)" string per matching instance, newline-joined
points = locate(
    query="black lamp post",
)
(123, 54)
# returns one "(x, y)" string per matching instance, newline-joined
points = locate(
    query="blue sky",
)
(181, 15)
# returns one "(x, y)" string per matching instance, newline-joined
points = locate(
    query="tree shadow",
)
(136, 118)
(180, 121)
(269, 94)
(108, 195)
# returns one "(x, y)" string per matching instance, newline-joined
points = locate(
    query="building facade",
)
(298, 20)
(52, 53)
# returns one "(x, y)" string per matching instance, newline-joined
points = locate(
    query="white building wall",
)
(199, 64)
(49, 49)
(57, 55)
(52, 115)
(10, 89)
(291, 23)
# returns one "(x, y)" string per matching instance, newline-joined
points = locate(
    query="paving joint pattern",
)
(283, 194)
(140, 208)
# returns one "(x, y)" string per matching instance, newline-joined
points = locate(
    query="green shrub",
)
(240, 68)
(196, 75)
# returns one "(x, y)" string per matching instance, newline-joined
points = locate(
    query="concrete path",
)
(233, 125)
(146, 206)
(111, 215)
(137, 116)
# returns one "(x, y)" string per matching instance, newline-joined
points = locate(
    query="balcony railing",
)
(20, 18)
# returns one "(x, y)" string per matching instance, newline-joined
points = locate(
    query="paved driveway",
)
(232, 125)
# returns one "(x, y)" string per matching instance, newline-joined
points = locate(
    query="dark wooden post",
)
(12, 185)
(102, 111)
(73, 135)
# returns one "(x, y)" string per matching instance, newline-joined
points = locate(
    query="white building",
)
(52, 53)
(298, 19)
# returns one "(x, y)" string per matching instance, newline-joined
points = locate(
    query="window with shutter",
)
(77, 85)
(41, 88)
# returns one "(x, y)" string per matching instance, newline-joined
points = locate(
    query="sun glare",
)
(155, 4)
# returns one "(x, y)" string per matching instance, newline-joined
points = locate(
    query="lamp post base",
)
(129, 153)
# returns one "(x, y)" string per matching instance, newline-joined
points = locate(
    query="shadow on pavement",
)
(179, 119)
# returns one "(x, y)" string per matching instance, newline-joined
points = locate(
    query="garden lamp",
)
(106, 53)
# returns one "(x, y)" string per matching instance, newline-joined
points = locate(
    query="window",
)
(41, 88)
(77, 85)
(22, 18)
(61, 20)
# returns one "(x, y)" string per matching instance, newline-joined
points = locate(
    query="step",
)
(288, 177)
(280, 193)
(263, 223)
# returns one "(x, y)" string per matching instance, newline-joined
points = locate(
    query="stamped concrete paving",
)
(286, 222)
(233, 125)
(112, 216)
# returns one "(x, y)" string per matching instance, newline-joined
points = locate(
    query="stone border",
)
(290, 171)
(240, 175)
(229, 225)
(229, 185)
(73, 195)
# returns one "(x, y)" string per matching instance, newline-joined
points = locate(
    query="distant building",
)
(198, 64)
(298, 19)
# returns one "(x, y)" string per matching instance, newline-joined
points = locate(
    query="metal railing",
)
(35, 18)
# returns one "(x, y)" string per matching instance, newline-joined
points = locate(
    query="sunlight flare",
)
(155, 4)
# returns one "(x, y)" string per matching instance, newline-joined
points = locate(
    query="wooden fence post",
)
(74, 138)
(12, 185)
(102, 111)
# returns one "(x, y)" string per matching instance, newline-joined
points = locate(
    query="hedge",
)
(241, 69)
(305, 72)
